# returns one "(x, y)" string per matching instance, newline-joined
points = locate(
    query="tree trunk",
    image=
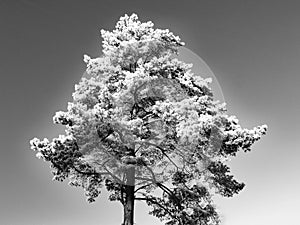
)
(129, 197)
(129, 205)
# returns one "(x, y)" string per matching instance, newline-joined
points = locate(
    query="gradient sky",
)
(253, 48)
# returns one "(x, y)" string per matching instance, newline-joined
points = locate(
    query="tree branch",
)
(142, 187)
(115, 177)
(161, 186)
(108, 172)
(163, 152)
(157, 203)
(154, 202)
(89, 172)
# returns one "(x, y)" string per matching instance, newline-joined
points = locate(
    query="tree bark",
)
(129, 205)
(129, 197)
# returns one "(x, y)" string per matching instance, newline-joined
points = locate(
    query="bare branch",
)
(142, 187)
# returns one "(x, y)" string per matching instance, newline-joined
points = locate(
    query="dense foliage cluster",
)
(143, 119)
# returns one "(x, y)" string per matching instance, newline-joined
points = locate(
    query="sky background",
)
(253, 48)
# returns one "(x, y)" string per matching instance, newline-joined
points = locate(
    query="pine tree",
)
(148, 129)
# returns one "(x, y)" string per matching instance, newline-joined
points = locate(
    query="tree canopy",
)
(146, 128)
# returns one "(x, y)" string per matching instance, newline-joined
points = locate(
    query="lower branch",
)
(153, 201)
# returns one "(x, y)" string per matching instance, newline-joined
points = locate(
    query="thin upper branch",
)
(162, 151)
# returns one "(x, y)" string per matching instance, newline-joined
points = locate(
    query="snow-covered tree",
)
(148, 129)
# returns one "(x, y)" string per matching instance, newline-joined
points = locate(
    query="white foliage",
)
(140, 98)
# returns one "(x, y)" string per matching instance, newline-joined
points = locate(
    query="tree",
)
(148, 129)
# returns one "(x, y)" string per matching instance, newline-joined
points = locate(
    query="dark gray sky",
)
(253, 48)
